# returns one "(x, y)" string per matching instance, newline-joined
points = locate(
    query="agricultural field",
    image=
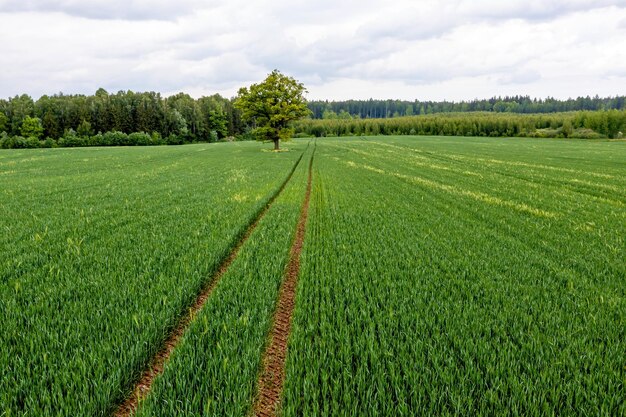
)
(462, 276)
(438, 276)
(102, 249)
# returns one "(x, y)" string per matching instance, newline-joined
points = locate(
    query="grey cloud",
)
(499, 45)
(421, 74)
(409, 28)
(434, 19)
(326, 11)
(325, 59)
(136, 81)
(533, 9)
(416, 21)
(520, 77)
(415, 75)
(106, 9)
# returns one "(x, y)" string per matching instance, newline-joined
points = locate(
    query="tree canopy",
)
(272, 105)
(177, 119)
(381, 109)
(31, 127)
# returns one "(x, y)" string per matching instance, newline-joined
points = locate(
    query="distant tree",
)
(31, 127)
(272, 105)
(4, 122)
(20, 107)
(50, 125)
(328, 114)
(214, 113)
(149, 112)
(500, 107)
(84, 129)
(177, 125)
(188, 108)
(344, 115)
(217, 123)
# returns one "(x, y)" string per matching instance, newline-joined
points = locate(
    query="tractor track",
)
(272, 376)
(144, 384)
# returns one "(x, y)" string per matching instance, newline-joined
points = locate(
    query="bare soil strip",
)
(142, 388)
(270, 384)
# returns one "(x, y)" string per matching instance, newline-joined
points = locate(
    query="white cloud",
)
(423, 49)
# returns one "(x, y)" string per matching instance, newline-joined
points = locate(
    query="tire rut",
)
(143, 386)
(272, 376)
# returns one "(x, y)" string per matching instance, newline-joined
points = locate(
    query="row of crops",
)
(439, 276)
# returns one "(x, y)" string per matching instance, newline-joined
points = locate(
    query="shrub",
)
(584, 133)
(115, 138)
(48, 143)
(139, 139)
(73, 141)
(173, 139)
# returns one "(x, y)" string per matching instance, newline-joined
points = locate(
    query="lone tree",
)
(272, 105)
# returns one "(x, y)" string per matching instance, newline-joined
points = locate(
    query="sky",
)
(351, 49)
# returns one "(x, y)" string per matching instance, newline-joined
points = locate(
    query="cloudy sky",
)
(408, 49)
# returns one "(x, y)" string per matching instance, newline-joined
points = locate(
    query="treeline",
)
(582, 124)
(83, 120)
(375, 109)
(129, 118)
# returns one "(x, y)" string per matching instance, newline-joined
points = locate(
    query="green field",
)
(439, 276)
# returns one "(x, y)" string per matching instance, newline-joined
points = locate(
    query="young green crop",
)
(214, 370)
(102, 251)
(458, 276)
(439, 276)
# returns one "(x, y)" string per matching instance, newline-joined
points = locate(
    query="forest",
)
(123, 118)
(374, 109)
(147, 118)
(581, 124)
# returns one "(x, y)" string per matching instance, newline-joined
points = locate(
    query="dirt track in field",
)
(271, 379)
(143, 386)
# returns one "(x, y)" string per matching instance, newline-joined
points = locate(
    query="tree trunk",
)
(276, 144)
